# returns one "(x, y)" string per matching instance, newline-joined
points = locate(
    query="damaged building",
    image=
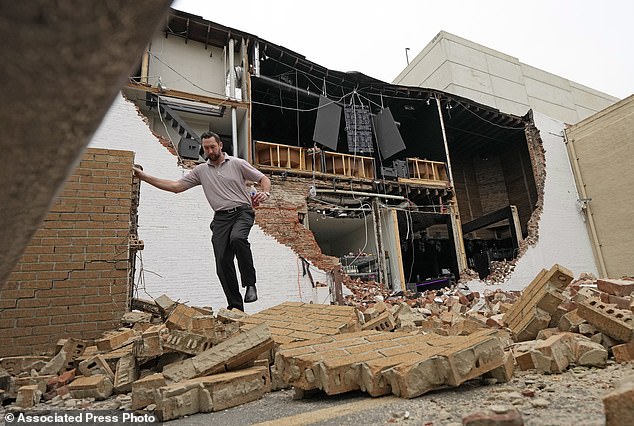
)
(408, 186)
(404, 185)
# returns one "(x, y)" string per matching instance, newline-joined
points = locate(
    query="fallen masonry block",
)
(166, 304)
(115, 339)
(211, 393)
(132, 318)
(465, 326)
(229, 316)
(293, 321)
(406, 364)
(545, 333)
(504, 373)
(571, 321)
(97, 386)
(28, 396)
(616, 323)
(18, 382)
(14, 365)
(587, 330)
(178, 400)
(71, 350)
(150, 307)
(186, 342)
(624, 352)
(152, 341)
(618, 405)
(61, 380)
(473, 356)
(204, 324)
(181, 317)
(96, 365)
(589, 353)
(620, 302)
(557, 349)
(231, 353)
(126, 373)
(620, 288)
(532, 311)
(143, 390)
(383, 322)
(555, 353)
(236, 387)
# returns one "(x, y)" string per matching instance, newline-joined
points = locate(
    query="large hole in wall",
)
(349, 235)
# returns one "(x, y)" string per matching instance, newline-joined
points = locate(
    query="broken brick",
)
(181, 317)
(143, 390)
(186, 342)
(571, 321)
(14, 365)
(96, 365)
(624, 352)
(532, 311)
(616, 323)
(239, 349)
(97, 386)
(28, 396)
(619, 404)
(115, 339)
(620, 288)
(126, 373)
(383, 322)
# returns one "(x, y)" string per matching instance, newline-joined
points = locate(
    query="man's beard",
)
(213, 157)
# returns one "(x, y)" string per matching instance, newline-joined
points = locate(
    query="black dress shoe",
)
(251, 294)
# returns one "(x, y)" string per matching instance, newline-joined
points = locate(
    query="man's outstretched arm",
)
(164, 184)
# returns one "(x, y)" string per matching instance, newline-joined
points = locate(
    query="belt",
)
(234, 209)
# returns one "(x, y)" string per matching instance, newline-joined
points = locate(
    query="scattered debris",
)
(173, 360)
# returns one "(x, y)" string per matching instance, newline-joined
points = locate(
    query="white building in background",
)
(462, 67)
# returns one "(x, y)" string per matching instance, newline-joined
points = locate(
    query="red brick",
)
(620, 288)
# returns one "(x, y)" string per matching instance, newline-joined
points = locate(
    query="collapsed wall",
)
(73, 278)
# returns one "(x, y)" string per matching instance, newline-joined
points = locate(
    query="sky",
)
(588, 42)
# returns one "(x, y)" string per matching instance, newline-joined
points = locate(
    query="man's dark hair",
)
(208, 135)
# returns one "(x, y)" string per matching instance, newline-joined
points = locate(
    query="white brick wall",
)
(563, 237)
(178, 259)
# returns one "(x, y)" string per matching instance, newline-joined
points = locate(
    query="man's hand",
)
(259, 198)
(138, 173)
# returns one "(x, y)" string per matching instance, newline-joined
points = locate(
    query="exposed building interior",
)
(415, 182)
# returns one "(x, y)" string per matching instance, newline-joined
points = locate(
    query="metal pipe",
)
(361, 194)
(444, 138)
(232, 95)
(461, 254)
(286, 86)
(256, 58)
(581, 187)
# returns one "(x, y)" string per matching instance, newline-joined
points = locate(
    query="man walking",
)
(224, 181)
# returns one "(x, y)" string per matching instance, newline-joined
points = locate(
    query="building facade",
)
(601, 148)
(462, 67)
(409, 186)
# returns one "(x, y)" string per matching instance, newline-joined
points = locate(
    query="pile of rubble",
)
(173, 360)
